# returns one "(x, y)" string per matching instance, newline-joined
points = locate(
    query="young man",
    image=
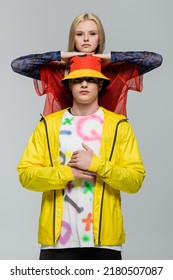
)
(81, 158)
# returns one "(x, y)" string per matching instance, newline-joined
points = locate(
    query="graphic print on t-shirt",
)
(77, 221)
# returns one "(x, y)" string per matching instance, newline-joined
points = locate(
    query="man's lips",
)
(84, 91)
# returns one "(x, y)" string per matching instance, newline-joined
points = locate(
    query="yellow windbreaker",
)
(119, 168)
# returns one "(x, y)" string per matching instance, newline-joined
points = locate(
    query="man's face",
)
(85, 90)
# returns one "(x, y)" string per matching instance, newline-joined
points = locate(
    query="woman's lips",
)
(86, 45)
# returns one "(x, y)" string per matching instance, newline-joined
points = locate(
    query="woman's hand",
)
(105, 57)
(66, 56)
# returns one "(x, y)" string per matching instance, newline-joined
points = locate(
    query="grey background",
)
(36, 26)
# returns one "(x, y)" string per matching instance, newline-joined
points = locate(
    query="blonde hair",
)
(76, 21)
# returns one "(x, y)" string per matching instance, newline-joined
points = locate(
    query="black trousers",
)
(80, 254)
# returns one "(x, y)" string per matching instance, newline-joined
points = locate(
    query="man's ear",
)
(100, 85)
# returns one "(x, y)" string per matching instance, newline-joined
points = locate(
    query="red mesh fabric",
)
(123, 76)
(58, 96)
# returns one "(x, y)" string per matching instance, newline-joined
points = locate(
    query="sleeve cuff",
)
(69, 173)
(112, 56)
(59, 55)
(94, 166)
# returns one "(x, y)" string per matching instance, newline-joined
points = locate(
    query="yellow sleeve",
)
(35, 170)
(125, 171)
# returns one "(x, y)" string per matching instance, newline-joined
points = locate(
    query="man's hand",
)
(82, 174)
(81, 159)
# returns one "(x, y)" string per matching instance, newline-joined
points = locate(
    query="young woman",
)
(87, 36)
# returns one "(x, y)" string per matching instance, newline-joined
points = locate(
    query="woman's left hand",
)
(105, 57)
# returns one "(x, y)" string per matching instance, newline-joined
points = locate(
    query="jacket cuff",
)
(58, 55)
(69, 173)
(94, 166)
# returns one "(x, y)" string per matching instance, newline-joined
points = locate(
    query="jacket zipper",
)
(51, 161)
(110, 157)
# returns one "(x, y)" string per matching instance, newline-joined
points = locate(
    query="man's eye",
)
(76, 81)
(92, 80)
(87, 79)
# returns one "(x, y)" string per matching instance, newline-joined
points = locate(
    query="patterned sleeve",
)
(146, 61)
(30, 65)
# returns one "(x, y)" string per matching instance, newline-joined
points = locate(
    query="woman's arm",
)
(30, 65)
(146, 61)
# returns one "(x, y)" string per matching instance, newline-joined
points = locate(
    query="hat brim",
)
(85, 73)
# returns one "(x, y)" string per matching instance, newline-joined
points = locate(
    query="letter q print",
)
(86, 134)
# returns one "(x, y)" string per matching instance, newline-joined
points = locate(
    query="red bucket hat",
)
(85, 66)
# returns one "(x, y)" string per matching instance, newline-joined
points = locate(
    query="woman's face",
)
(86, 36)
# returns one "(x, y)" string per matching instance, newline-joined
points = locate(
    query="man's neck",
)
(83, 109)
